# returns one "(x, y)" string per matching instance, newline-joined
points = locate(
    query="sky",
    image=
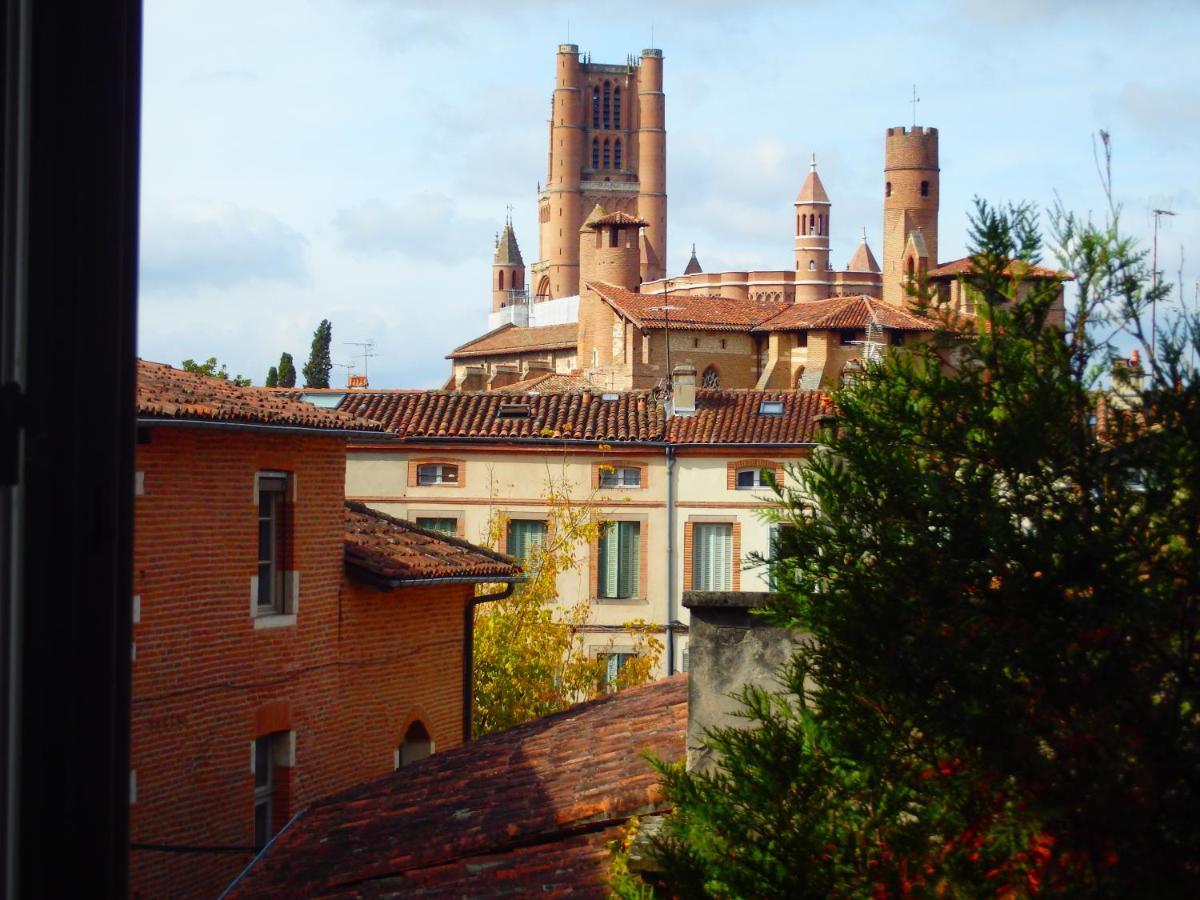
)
(352, 160)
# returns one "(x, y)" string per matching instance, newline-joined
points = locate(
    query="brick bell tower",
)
(607, 147)
(508, 270)
(813, 280)
(609, 251)
(910, 202)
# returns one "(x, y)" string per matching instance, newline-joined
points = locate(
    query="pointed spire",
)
(507, 251)
(812, 165)
(812, 191)
(693, 265)
(863, 259)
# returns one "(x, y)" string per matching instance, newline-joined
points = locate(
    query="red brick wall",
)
(345, 677)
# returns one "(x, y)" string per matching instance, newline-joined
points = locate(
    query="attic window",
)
(770, 408)
(324, 401)
(610, 397)
(513, 411)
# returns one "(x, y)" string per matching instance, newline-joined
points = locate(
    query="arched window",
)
(812, 265)
(501, 279)
(908, 267)
(595, 154)
(607, 105)
(798, 229)
(543, 291)
(606, 153)
(924, 188)
(887, 189)
(711, 379)
(596, 107)
(820, 224)
(617, 154)
(617, 109)
(803, 224)
(417, 744)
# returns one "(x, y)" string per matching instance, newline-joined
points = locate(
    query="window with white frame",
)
(712, 556)
(620, 476)
(750, 478)
(274, 543)
(271, 752)
(524, 536)
(620, 560)
(437, 473)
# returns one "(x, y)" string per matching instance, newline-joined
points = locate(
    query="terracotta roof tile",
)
(694, 313)
(964, 266)
(617, 218)
(396, 550)
(736, 417)
(525, 812)
(166, 393)
(511, 338)
(846, 312)
(552, 382)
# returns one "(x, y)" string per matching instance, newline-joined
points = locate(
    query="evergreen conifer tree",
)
(999, 568)
(287, 371)
(316, 370)
(272, 377)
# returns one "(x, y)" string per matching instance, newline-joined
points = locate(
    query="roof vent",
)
(770, 408)
(610, 396)
(513, 411)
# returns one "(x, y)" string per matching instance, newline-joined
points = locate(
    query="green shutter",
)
(629, 563)
(609, 561)
(445, 526)
(523, 536)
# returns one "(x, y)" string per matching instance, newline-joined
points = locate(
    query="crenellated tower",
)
(607, 147)
(508, 270)
(910, 206)
(813, 278)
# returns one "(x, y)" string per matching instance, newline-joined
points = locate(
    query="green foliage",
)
(287, 371)
(530, 658)
(272, 377)
(316, 370)
(1001, 692)
(210, 369)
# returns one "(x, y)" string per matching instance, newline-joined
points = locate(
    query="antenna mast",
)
(367, 350)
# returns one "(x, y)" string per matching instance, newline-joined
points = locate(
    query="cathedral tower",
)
(607, 147)
(609, 251)
(508, 270)
(910, 203)
(812, 238)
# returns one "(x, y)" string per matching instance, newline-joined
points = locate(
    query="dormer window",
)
(513, 411)
(437, 473)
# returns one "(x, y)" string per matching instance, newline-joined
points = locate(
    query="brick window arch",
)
(617, 109)
(607, 151)
(595, 154)
(501, 279)
(416, 744)
(711, 379)
(596, 107)
(607, 104)
(617, 154)
(887, 189)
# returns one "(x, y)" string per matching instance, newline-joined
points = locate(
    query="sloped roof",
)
(735, 417)
(507, 251)
(394, 551)
(693, 265)
(964, 266)
(812, 191)
(552, 382)
(617, 218)
(693, 313)
(836, 313)
(633, 416)
(526, 812)
(916, 237)
(167, 394)
(513, 339)
(863, 259)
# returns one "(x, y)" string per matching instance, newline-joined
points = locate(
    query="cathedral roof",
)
(513, 339)
(812, 191)
(837, 313)
(693, 266)
(1016, 267)
(690, 313)
(863, 259)
(507, 251)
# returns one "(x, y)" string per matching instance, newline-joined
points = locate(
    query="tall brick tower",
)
(508, 270)
(608, 148)
(812, 238)
(609, 251)
(910, 201)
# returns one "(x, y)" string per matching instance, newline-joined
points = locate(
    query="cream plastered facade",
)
(512, 479)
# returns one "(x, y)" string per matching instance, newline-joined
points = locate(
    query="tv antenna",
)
(349, 370)
(367, 351)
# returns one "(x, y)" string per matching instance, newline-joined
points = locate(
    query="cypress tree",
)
(287, 371)
(272, 377)
(316, 370)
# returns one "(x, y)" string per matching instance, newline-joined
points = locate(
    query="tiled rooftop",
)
(166, 393)
(693, 313)
(523, 813)
(846, 312)
(514, 339)
(552, 382)
(617, 218)
(394, 550)
(964, 266)
(735, 417)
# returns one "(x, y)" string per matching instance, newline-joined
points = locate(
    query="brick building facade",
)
(261, 685)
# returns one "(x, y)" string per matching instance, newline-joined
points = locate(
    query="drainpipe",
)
(670, 453)
(468, 692)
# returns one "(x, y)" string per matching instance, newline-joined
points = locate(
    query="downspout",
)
(468, 692)
(670, 453)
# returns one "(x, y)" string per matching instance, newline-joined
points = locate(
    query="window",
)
(897, 338)
(621, 476)
(606, 153)
(887, 189)
(847, 336)
(617, 115)
(803, 224)
(620, 560)
(712, 556)
(444, 525)
(801, 338)
(437, 473)
(775, 551)
(417, 745)
(614, 662)
(595, 154)
(596, 107)
(812, 265)
(607, 104)
(524, 535)
(272, 752)
(711, 378)
(770, 408)
(750, 478)
(274, 541)
(617, 154)
(501, 279)
(924, 188)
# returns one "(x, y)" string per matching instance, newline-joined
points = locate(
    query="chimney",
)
(683, 391)
(728, 647)
(358, 381)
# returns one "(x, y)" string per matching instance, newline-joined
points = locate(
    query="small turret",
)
(863, 259)
(693, 266)
(508, 270)
(812, 238)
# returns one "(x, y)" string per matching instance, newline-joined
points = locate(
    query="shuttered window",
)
(620, 558)
(523, 536)
(712, 557)
(445, 526)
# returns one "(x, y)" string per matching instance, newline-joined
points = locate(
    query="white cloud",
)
(424, 226)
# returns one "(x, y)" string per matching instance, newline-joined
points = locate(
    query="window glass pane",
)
(631, 477)
(262, 762)
(747, 478)
(445, 526)
(264, 584)
(712, 557)
(449, 474)
(427, 474)
(262, 824)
